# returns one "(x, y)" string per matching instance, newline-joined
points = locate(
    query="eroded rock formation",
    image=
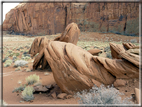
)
(52, 18)
(70, 34)
(123, 51)
(75, 69)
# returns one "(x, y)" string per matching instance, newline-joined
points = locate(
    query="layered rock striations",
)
(52, 18)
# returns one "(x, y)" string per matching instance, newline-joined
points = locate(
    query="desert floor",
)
(20, 44)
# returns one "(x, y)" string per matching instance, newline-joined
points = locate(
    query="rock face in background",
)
(52, 18)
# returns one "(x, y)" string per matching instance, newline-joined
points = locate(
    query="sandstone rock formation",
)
(75, 69)
(52, 18)
(137, 94)
(37, 45)
(119, 51)
(70, 34)
(95, 51)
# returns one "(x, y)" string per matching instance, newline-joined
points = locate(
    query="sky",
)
(7, 7)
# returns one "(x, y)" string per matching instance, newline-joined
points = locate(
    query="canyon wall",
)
(52, 18)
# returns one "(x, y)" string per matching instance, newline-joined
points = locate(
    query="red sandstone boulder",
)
(137, 94)
(119, 51)
(75, 69)
(120, 82)
(61, 95)
(70, 34)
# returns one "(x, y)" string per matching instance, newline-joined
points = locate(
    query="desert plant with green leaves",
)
(16, 54)
(21, 50)
(108, 55)
(5, 58)
(7, 63)
(32, 79)
(27, 94)
(25, 57)
(14, 58)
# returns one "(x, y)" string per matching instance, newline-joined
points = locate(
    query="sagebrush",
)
(101, 95)
(20, 63)
(27, 94)
(32, 79)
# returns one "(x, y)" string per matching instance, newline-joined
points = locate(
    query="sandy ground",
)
(11, 77)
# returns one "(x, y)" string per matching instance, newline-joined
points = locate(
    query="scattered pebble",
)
(61, 96)
(18, 69)
(21, 101)
(19, 82)
(54, 95)
(28, 70)
(46, 73)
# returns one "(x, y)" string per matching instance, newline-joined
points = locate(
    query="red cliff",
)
(51, 18)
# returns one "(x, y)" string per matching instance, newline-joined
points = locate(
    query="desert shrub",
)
(32, 79)
(21, 50)
(106, 49)
(8, 63)
(16, 54)
(20, 63)
(108, 55)
(133, 40)
(11, 54)
(6, 58)
(101, 95)
(27, 94)
(9, 51)
(25, 57)
(26, 54)
(19, 89)
(27, 46)
(14, 58)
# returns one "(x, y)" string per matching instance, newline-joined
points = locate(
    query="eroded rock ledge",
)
(51, 18)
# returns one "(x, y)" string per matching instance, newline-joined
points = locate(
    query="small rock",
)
(37, 84)
(18, 69)
(46, 73)
(40, 88)
(61, 96)
(137, 94)
(69, 96)
(28, 70)
(54, 95)
(21, 101)
(49, 86)
(19, 82)
(120, 82)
